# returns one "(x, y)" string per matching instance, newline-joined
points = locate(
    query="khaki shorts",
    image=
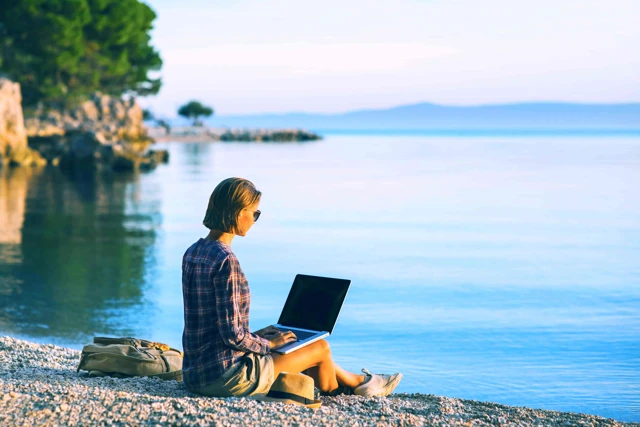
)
(251, 375)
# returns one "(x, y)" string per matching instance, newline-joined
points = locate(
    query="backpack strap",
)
(135, 342)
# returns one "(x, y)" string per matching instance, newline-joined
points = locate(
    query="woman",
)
(221, 356)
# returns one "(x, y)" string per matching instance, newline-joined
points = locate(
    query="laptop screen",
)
(314, 302)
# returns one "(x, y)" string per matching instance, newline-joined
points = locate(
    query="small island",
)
(161, 130)
(205, 134)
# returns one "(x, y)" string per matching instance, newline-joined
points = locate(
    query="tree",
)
(41, 43)
(193, 110)
(61, 51)
(117, 45)
(164, 124)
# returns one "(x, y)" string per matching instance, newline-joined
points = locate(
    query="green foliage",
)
(60, 51)
(147, 115)
(193, 110)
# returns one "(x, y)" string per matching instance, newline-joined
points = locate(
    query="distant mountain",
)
(426, 116)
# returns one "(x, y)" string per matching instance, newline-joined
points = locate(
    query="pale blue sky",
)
(258, 56)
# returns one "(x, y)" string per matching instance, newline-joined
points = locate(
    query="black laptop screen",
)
(314, 303)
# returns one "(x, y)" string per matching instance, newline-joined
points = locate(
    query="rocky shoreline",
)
(39, 385)
(103, 132)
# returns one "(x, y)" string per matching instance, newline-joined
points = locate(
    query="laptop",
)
(311, 309)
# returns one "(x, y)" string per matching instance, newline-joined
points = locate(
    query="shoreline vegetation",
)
(40, 386)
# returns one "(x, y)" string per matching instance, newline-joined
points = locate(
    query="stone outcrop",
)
(13, 137)
(102, 132)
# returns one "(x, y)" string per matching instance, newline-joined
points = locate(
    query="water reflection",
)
(509, 265)
(196, 154)
(74, 251)
(13, 195)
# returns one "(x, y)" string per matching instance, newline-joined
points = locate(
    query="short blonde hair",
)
(227, 200)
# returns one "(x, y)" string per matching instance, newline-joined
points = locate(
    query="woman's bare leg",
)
(347, 378)
(317, 356)
(344, 377)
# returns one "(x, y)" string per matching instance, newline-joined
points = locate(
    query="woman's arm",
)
(230, 296)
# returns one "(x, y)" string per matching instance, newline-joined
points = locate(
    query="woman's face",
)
(245, 219)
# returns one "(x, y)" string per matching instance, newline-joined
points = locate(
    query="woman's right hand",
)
(278, 338)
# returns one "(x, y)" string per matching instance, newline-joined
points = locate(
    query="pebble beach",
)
(39, 385)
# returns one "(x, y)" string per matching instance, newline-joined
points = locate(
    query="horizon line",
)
(433, 104)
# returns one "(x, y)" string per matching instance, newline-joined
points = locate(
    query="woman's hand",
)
(276, 337)
(269, 329)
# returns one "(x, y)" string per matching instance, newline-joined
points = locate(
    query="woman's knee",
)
(322, 347)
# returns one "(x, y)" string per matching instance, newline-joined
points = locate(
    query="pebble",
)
(39, 385)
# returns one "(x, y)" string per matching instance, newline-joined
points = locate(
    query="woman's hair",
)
(227, 200)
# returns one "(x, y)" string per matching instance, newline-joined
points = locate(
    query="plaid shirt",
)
(216, 313)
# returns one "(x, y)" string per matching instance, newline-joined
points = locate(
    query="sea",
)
(500, 267)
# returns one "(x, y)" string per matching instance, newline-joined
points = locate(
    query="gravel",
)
(39, 385)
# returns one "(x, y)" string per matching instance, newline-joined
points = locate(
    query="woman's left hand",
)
(267, 332)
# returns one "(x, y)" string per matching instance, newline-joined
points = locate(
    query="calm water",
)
(498, 268)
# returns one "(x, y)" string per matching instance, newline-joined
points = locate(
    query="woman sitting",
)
(221, 356)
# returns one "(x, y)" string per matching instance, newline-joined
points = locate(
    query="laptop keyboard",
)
(301, 335)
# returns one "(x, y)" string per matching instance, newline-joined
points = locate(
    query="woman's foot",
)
(377, 384)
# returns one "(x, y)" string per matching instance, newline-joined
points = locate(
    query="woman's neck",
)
(221, 236)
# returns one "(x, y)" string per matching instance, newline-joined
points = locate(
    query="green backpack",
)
(131, 357)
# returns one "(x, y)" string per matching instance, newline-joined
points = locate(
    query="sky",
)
(333, 56)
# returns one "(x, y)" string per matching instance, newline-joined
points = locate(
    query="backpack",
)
(131, 357)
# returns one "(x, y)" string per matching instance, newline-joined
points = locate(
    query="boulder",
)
(83, 146)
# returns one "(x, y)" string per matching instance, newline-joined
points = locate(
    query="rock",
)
(119, 110)
(13, 137)
(147, 164)
(84, 145)
(87, 112)
(26, 157)
(104, 106)
(102, 132)
(160, 156)
(50, 147)
(125, 161)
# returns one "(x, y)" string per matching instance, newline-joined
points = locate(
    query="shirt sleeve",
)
(231, 295)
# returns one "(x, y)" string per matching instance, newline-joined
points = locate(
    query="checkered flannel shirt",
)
(216, 313)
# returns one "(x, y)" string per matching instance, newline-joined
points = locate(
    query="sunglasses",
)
(256, 214)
